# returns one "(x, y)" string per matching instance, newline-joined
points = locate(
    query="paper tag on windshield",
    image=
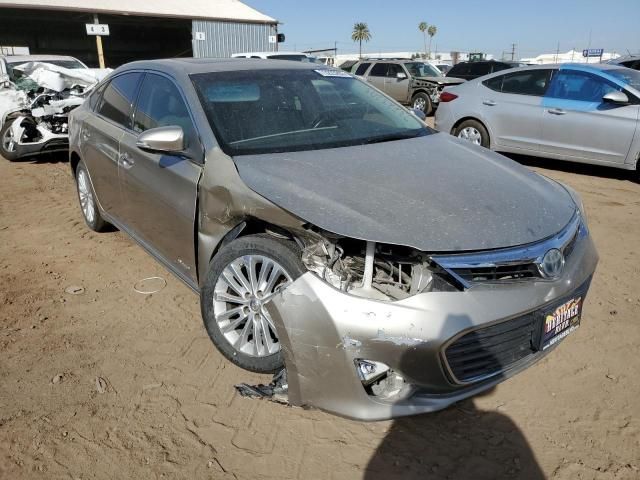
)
(333, 73)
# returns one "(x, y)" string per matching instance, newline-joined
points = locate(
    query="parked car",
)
(410, 82)
(443, 67)
(36, 94)
(472, 70)
(629, 61)
(388, 269)
(295, 56)
(580, 113)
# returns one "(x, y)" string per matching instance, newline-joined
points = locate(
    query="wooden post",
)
(99, 43)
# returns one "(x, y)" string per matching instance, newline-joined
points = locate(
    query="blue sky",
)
(536, 26)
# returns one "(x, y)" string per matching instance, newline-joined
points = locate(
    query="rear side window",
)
(161, 105)
(494, 83)
(379, 70)
(529, 82)
(118, 98)
(362, 68)
(95, 96)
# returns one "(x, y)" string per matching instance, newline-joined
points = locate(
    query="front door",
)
(160, 189)
(100, 139)
(397, 88)
(377, 75)
(577, 124)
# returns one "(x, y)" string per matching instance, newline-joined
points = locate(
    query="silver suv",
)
(410, 82)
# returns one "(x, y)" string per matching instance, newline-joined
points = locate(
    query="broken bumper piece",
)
(374, 360)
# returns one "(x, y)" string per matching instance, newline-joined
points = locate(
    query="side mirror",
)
(162, 139)
(419, 113)
(616, 97)
(401, 75)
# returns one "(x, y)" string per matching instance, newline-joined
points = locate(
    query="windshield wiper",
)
(392, 137)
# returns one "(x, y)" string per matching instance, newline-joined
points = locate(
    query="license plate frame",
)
(560, 320)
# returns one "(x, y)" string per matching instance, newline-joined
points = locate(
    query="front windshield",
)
(269, 111)
(627, 75)
(420, 69)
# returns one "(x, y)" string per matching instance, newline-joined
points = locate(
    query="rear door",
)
(578, 125)
(160, 189)
(512, 105)
(100, 139)
(377, 75)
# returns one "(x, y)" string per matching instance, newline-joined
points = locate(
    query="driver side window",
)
(580, 86)
(161, 105)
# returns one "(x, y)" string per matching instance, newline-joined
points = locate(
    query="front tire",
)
(422, 101)
(87, 200)
(7, 142)
(243, 277)
(473, 131)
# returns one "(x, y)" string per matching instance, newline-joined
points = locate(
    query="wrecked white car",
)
(36, 96)
(378, 267)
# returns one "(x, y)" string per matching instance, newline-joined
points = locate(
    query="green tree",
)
(360, 32)
(432, 30)
(423, 27)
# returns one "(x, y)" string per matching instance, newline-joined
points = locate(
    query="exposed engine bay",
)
(37, 106)
(369, 269)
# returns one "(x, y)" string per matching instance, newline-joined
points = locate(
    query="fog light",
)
(390, 386)
(369, 370)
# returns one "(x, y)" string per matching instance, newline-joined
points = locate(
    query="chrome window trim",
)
(527, 254)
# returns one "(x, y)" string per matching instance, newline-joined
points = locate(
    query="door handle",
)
(556, 111)
(126, 161)
(489, 103)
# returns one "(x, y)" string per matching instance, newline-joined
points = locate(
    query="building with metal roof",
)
(128, 30)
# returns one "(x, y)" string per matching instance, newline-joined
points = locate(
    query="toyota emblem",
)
(552, 263)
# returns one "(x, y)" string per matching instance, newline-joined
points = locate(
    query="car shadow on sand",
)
(573, 167)
(460, 442)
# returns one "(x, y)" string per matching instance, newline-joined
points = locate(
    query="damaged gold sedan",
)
(377, 267)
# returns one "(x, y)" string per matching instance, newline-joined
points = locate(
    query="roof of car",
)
(190, 66)
(272, 53)
(35, 58)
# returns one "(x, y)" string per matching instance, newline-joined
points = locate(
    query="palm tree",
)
(422, 26)
(360, 32)
(432, 30)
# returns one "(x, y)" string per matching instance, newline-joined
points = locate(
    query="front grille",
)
(497, 273)
(489, 351)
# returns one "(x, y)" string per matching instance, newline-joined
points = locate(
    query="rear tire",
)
(473, 131)
(87, 200)
(7, 145)
(232, 300)
(422, 101)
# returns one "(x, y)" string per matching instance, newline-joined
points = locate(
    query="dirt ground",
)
(110, 383)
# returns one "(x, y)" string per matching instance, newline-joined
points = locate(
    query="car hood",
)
(434, 193)
(442, 80)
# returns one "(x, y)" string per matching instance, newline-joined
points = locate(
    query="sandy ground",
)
(109, 383)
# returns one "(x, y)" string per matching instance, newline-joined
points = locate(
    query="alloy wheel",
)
(8, 143)
(87, 202)
(419, 103)
(471, 134)
(241, 294)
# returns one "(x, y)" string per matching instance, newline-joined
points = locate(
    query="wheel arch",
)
(242, 228)
(476, 119)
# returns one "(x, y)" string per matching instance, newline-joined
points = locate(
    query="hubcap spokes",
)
(419, 103)
(86, 197)
(241, 294)
(471, 134)
(7, 141)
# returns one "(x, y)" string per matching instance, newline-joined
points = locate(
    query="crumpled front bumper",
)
(323, 330)
(48, 141)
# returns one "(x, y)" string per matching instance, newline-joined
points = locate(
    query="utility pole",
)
(557, 53)
(513, 51)
(99, 43)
